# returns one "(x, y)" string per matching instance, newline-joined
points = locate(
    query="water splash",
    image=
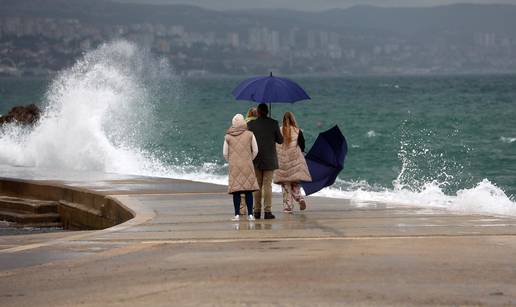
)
(483, 198)
(423, 162)
(427, 178)
(97, 115)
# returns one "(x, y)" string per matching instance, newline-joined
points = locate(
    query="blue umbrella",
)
(325, 160)
(269, 89)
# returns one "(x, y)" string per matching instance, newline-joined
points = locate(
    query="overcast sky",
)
(312, 5)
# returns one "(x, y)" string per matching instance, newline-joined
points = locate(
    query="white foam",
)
(371, 134)
(507, 139)
(484, 198)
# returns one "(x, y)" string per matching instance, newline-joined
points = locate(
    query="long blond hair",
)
(252, 112)
(289, 121)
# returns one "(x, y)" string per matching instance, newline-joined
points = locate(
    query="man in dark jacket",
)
(267, 133)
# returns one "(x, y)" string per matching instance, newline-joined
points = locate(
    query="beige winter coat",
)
(292, 163)
(240, 155)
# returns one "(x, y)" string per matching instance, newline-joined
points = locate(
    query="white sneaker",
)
(250, 217)
(236, 218)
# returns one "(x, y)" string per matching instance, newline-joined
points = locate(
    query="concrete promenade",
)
(181, 249)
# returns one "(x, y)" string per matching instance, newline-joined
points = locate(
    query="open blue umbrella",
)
(325, 160)
(269, 89)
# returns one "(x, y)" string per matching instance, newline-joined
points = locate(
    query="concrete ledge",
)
(78, 208)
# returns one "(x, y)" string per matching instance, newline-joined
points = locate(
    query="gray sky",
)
(313, 5)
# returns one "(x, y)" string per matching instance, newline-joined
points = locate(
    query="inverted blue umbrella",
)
(270, 89)
(325, 160)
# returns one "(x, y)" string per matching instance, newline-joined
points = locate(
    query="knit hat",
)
(238, 120)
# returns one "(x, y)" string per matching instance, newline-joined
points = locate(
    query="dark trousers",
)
(248, 201)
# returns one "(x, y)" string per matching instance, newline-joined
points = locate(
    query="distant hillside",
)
(466, 17)
(461, 17)
(40, 37)
(102, 11)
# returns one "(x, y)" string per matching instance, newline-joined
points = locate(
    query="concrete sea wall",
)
(79, 208)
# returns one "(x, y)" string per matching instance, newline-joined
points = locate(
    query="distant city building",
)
(234, 39)
(41, 45)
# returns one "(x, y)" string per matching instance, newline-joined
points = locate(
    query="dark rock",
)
(24, 115)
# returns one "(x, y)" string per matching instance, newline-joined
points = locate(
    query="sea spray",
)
(424, 162)
(98, 115)
(427, 178)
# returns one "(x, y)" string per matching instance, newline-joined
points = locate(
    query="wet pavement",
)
(182, 246)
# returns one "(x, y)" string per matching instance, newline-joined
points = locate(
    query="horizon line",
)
(380, 6)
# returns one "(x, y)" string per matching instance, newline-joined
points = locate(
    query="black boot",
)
(269, 216)
(257, 215)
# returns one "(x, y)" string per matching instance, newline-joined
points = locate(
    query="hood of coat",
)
(238, 126)
(236, 131)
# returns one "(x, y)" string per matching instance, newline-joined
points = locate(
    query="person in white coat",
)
(240, 148)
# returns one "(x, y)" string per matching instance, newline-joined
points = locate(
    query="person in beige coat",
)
(240, 148)
(292, 166)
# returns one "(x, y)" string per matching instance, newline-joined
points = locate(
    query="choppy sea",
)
(436, 141)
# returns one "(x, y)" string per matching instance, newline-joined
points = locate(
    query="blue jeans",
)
(248, 200)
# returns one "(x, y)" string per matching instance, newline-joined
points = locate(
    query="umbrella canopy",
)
(269, 89)
(325, 159)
